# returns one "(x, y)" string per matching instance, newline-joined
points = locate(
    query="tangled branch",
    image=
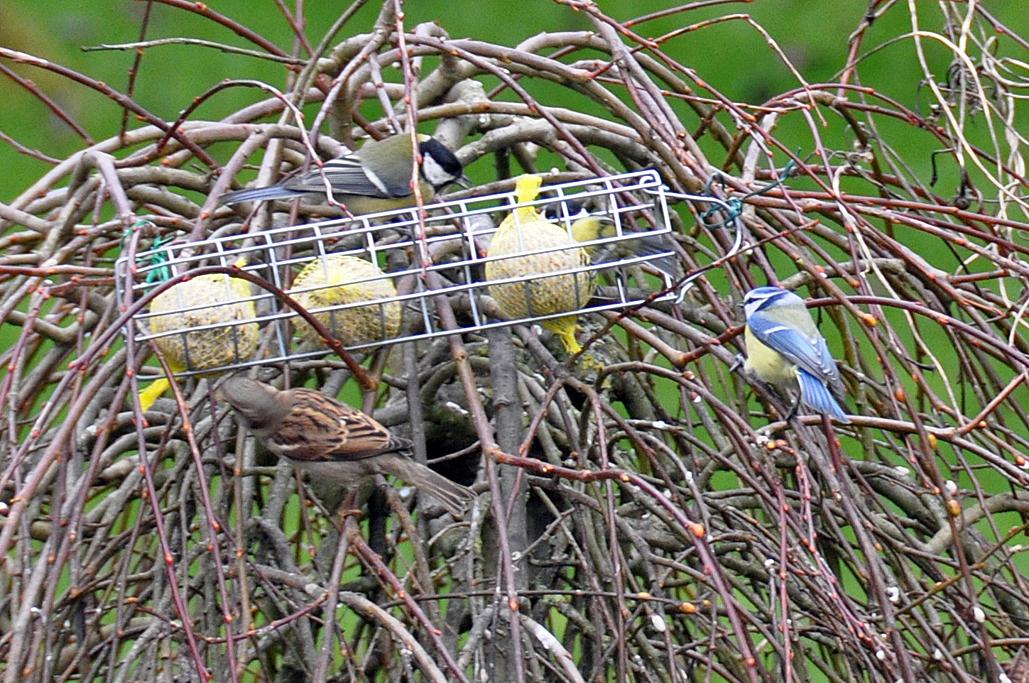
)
(648, 515)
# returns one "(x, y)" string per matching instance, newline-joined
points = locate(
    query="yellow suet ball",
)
(343, 280)
(525, 230)
(223, 300)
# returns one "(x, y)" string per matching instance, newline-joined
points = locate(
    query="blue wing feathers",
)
(778, 336)
(797, 348)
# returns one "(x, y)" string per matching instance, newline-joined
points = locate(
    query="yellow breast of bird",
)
(768, 364)
(536, 292)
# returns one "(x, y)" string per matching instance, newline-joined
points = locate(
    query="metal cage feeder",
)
(373, 279)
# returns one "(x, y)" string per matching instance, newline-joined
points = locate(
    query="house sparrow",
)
(331, 440)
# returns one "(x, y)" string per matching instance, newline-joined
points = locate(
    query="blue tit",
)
(586, 227)
(784, 347)
(375, 178)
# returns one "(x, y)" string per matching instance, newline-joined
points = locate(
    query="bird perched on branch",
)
(375, 178)
(527, 248)
(332, 441)
(784, 347)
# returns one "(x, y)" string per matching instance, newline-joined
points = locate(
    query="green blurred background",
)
(733, 56)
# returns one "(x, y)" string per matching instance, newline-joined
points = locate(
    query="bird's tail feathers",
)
(839, 391)
(816, 395)
(452, 495)
(260, 194)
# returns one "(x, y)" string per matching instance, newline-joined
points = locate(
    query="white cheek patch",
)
(753, 307)
(434, 173)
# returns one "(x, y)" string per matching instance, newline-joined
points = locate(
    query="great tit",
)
(785, 348)
(376, 177)
(587, 226)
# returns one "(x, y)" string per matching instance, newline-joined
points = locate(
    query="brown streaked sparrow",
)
(333, 441)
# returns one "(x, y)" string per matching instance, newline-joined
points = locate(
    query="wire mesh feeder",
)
(374, 279)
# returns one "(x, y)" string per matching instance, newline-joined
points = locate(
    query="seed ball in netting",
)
(338, 280)
(214, 299)
(537, 293)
